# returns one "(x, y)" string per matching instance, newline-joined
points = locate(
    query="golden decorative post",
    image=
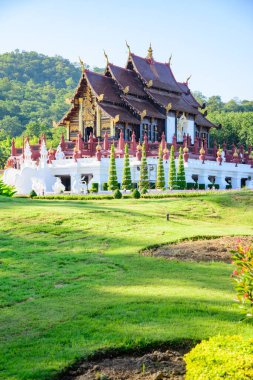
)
(80, 100)
(150, 52)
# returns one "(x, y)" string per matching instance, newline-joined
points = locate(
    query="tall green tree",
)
(112, 178)
(144, 182)
(160, 179)
(172, 171)
(126, 178)
(181, 183)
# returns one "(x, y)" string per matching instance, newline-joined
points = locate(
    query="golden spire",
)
(106, 57)
(129, 51)
(170, 59)
(150, 52)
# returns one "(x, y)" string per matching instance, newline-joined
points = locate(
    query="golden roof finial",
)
(187, 80)
(129, 51)
(170, 59)
(106, 57)
(150, 52)
(81, 64)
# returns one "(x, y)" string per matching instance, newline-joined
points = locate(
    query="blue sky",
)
(210, 39)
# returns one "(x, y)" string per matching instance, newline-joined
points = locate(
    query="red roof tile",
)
(187, 95)
(128, 78)
(114, 110)
(141, 104)
(101, 84)
(160, 73)
(203, 122)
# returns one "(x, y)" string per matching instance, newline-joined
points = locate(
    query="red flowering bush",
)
(243, 276)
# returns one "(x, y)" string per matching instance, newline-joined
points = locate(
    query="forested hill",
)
(33, 89)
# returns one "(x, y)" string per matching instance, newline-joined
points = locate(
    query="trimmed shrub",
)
(105, 186)
(202, 186)
(112, 180)
(152, 185)
(160, 179)
(144, 191)
(33, 194)
(221, 357)
(191, 186)
(181, 183)
(143, 182)
(228, 187)
(126, 177)
(117, 194)
(94, 187)
(136, 194)
(172, 171)
(6, 190)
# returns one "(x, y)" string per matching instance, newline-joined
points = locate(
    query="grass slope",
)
(72, 281)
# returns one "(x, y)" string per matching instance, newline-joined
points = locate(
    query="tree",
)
(112, 179)
(172, 172)
(160, 179)
(126, 178)
(143, 182)
(181, 183)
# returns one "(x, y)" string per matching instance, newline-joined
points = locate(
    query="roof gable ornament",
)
(187, 80)
(128, 46)
(81, 64)
(169, 63)
(168, 107)
(150, 83)
(106, 57)
(126, 90)
(100, 97)
(143, 114)
(150, 52)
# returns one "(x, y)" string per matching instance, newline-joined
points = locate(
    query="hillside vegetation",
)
(33, 89)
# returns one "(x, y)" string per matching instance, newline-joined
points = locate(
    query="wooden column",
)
(98, 122)
(112, 127)
(68, 130)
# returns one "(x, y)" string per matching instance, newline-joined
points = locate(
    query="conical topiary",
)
(112, 180)
(181, 183)
(143, 182)
(160, 180)
(172, 172)
(126, 178)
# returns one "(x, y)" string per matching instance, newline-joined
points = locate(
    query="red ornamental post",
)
(202, 154)
(165, 153)
(13, 148)
(51, 155)
(196, 144)
(219, 158)
(186, 154)
(235, 157)
(121, 141)
(145, 142)
(174, 142)
(90, 143)
(106, 143)
(80, 144)
(163, 142)
(133, 142)
(98, 152)
(138, 152)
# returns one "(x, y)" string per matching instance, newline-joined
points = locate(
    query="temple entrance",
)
(87, 133)
(243, 182)
(65, 180)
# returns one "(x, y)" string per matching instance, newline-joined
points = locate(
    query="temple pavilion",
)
(142, 98)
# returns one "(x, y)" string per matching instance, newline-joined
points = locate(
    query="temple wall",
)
(171, 128)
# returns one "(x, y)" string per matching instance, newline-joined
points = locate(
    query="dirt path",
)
(155, 365)
(200, 250)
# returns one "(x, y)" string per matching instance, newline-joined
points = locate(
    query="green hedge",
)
(221, 357)
(74, 197)
(228, 187)
(215, 185)
(94, 187)
(191, 186)
(202, 186)
(105, 186)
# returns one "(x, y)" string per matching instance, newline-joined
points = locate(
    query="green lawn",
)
(72, 281)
